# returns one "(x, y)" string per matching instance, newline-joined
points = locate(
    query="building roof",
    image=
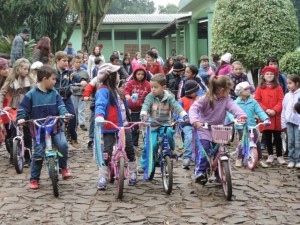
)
(141, 18)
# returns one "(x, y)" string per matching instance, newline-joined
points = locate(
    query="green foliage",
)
(290, 63)
(168, 9)
(131, 7)
(253, 30)
(29, 46)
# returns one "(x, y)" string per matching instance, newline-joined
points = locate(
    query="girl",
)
(153, 66)
(16, 85)
(91, 60)
(111, 105)
(252, 109)
(42, 51)
(225, 67)
(135, 60)
(206, 70)
(168, 65)
(127, 65)
(140, 86)
(291, 120)
(211, 108)
(270, 96)
(237, 76)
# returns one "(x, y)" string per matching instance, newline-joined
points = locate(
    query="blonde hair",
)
(237, 63)
(215, 84)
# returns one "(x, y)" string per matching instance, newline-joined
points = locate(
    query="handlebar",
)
(257, 125)
(149, 121)
(56, 118)
(128, 127)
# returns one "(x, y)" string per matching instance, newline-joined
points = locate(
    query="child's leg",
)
(188, 136)
(129, 146)
(291, 142)
(60, 141)
(268, 136)
(75, 101)
(37, 160)
(81, 111)
(109, 140)
(170, 135)
(240, 154)
(92, 125)
(135, 117)
(154, 135)
(278, 142)
(201, 162)
(27, 143)
(73, 121)
(297, 145)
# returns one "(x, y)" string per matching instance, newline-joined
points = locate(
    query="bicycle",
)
(221, 135)
(161, 157)
(118, 161)
(51, 154)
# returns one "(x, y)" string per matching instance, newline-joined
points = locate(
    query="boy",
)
(205, 69)
(97, 65)
(77, 100)
(191, 89)
(40, 102)
(157, 106)
(64, 78)
(175, 78)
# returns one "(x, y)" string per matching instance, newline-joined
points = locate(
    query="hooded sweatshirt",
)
(142, 88)
(288, 114)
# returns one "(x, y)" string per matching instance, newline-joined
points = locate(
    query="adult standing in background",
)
(18, 46)
(91, 61)
(159, 59)
(70, 50)
(42, 51)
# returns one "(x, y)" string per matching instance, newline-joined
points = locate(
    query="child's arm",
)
(258, 98)
(128, 90)
(283, 120)
(195, 109)
(278, 107)
(176, 116)
(234, 109)
(146, 105)
(24, 109)
(176, 107)
(3, 93)
(102, 102)
(260, 112)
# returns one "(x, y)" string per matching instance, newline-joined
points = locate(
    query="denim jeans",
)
(188, 137)
(79, 106)
(92, 125)
(59, 140)
(72, 123)
(293, 134)
(155, 134)
(135, 117)
(201, 160)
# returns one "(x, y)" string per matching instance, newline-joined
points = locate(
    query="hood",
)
(139, 67)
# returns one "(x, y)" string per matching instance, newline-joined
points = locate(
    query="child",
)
(167, 68)
(127, 65)
(225, 67)
(141, 87)
(175, 78)
(42, 101)
(237, 76)
(269, 95)
(98, 62)
(111, 105)
(205, 69)
(153, 64)
(252, 109)
(79, 104)
(64, 78)
(191, 89)
(191, 73)
(16, 85)
(157, 106)
(211, 108)
(291, 120)
(273, 61)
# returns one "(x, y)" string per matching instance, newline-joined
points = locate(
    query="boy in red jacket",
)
(140, 88)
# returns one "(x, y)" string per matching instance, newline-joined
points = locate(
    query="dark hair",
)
(294, 78)
(215, 84)
(77, 57)
(152, 54)
(297, 107)
(126, 57)
(194, 69)
(167, 65)
(215, 57)
(126, 54)
(97, 60)
(70, 58)
(272, 59)
(113, 57)
(5, 56)
(220, 66)
(94, 51)
(160, 78)
(180, 57)
(45, 71)
(60, 55)
(111, 83)
(44, 46)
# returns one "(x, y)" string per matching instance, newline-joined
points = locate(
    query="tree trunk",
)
(254, 72)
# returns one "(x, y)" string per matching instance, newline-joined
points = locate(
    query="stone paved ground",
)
(266, 196)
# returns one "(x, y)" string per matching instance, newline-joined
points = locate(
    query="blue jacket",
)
(251, 108)
(204, 74)
(288, 114)
(283, 82)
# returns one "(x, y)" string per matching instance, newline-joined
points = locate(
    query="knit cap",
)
(191, 86)
(178, 66)
(105, 70)
(226, 57)
(3, 63)
(241, 87)
(271, 69)
(36, 65)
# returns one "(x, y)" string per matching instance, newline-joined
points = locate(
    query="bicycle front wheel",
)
(17, 156)
(120, 178)
(53, 174)
(252, 158)
(225, 176)
(167, 174)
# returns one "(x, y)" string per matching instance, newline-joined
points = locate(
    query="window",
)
(105, 35)
(202, 30)
(129, 35)
(148, 35)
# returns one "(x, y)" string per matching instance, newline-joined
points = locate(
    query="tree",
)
(253, 30)
(131, 7)
(91, 14)
(290, 63)
(168, 9)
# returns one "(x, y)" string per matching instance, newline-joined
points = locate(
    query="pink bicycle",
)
(118, 161)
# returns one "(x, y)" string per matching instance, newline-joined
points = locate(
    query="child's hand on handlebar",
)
(186, 118)
(144, 117)
(83, 83)
(99, 119)
(7, 108)
(86, 98)
(68, 117)
(21, 121)
(267, 122)
(197, 125)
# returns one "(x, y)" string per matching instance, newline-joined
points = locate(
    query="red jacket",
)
(155, 68)
(142, 88)
(270, 98)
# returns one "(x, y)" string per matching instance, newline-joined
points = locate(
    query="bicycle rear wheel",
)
(17, 156)
(252, 158)
(167, 174)
(53, 174)
(120, 178)
(225, 176)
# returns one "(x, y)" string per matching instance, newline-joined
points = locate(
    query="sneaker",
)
(140, 170)
(263, 146)
(83, 127)
(102, 183)
(238, 163)
(90, 145)
(34, 184)
(65, 173)
(281, 160)
(270, 159)
(298, 165)
(262, 164)
(291, 165)
(200, 177)
(186, 164)
(75, 144)
(132, 181)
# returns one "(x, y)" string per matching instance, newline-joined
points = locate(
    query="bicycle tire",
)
(121, 177)
(252, 158)
(167, 174)
(53, 173)
(152, 174)
(225, 176)
(17, 156)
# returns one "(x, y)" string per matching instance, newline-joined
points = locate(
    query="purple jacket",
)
(201, 112)
(225, 69)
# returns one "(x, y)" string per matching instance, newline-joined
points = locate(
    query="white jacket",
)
(288, 114)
